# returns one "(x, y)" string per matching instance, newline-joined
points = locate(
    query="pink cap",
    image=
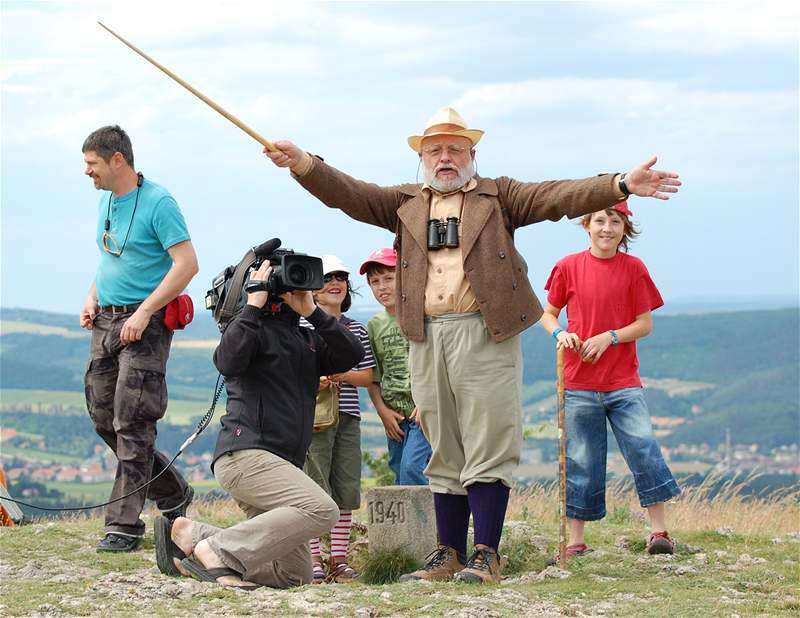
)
(385, 257)
(623, 208)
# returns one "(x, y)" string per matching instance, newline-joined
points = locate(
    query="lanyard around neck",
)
(107, 225)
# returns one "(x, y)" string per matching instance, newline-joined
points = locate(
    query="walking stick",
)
(562, 460)
(269, 146)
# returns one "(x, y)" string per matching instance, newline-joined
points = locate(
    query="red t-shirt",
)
(601, 295)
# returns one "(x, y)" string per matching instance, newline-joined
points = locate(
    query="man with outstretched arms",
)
(146, 260)
(463, 297)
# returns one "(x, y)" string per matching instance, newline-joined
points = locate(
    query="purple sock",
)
(452, 520)
(488, 502)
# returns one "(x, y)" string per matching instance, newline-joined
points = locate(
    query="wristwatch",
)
(622, 185)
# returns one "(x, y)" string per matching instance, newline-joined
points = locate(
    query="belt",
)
(120, 308)
(446, 317)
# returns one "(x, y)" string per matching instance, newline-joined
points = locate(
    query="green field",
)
(179, 411)
(99, 492)
(68, 399)
(40, 455)
(88, 493)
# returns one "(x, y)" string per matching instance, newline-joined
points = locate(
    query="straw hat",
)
(446, 121)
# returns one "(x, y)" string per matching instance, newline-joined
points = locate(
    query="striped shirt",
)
(348, 394)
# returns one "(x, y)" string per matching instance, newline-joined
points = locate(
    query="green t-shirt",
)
(390, 348)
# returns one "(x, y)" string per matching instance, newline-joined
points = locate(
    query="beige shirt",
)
(447, 289)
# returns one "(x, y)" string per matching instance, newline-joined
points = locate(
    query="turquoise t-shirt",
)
(157, 225)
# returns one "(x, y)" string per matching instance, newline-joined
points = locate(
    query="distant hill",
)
(737, 370)
(751, 358)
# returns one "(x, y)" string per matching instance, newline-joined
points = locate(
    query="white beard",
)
(448, 186)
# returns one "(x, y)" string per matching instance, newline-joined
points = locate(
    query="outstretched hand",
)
(646, 182)
(287, 155)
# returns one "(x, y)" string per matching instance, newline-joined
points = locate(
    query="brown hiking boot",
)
(483, 567)
(440, 566)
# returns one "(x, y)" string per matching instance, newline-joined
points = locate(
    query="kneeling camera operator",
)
(272, 368)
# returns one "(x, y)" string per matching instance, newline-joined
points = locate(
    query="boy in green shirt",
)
(409, 450)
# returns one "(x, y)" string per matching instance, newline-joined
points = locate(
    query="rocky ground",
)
(51, 569)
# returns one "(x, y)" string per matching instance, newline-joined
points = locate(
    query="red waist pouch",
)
(180, 312)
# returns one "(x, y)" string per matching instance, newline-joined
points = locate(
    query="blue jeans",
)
(408, 458)
(626, 411)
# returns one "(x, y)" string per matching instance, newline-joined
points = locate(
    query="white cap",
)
(332, 264)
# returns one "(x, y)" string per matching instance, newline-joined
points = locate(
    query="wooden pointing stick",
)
(264, 142)
(562, 461)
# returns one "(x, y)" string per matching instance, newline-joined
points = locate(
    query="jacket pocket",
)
(149, 390)
(100, 383)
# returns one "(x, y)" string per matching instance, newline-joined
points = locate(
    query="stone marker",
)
(401, 516)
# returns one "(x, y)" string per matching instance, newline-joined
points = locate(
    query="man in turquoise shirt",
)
(146, 260)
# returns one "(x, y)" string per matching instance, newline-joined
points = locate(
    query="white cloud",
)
(705, 27)
(352, 80)
(642, 100)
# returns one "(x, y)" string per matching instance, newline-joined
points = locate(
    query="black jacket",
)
(272, 368)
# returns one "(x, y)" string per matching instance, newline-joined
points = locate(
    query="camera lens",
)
(298, 275)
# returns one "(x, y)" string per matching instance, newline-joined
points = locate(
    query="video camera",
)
(290, 271)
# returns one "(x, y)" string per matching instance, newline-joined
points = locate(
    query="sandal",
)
(203, 574)
(317, 570)
(341, 573)
(166, 550)
(579, 549)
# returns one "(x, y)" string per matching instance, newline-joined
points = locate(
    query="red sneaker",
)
(660, 543)
(579, 549)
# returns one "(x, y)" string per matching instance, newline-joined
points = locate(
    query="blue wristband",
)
(556, 331)
(614, 338)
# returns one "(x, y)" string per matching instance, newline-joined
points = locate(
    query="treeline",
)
(719, 348)
(751, 358)
(75, 435)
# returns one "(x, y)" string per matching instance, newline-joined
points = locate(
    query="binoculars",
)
(443, 233)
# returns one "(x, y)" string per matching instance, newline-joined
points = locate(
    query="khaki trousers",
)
(468, 390)
(334, 462)
(285, 509)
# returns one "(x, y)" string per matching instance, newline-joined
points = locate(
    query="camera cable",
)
(204, 422)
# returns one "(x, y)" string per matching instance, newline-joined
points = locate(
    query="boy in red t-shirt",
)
(609, 296)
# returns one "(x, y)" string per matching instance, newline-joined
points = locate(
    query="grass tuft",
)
(386, 566)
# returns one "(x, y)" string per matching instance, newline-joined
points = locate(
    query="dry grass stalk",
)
(693, 510)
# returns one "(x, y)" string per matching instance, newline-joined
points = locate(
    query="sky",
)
(562, 90)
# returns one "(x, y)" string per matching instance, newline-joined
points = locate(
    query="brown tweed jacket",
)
(494, 269)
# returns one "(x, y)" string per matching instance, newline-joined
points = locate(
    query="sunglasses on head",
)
(331, 276)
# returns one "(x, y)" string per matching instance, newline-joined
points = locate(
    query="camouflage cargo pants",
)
(126, 394)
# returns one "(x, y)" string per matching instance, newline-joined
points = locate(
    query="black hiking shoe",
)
(118, 542)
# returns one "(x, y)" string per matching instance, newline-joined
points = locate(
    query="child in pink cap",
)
(409, 450)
